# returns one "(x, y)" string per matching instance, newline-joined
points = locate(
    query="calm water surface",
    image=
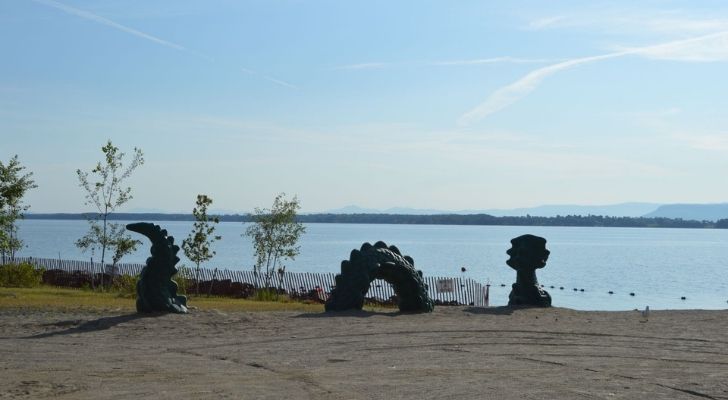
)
(658, 265)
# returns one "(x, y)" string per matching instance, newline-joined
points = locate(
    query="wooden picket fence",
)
(76, 273)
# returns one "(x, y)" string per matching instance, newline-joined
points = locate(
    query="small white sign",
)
(445, 286)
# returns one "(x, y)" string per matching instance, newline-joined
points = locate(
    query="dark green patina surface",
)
(379, 262)
(527, 254)
(156, 291)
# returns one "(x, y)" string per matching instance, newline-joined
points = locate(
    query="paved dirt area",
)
(455, 352)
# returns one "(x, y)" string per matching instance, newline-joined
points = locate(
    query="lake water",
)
(658, 265)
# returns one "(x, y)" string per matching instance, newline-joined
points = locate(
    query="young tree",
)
(105, 192)
(124, 246)
(198, 243)
(13, 185)
(275, 234)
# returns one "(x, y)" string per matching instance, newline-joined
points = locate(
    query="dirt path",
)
(464, 353)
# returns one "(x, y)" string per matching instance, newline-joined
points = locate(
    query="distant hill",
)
(393, 210)
(698, 212)
(613, 210)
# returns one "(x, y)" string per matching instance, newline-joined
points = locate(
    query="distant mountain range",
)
(699, 212)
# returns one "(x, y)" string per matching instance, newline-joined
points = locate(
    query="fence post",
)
(212, 282)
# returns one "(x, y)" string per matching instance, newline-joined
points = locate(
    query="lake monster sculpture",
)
(156, 291)
(379, 262)
(527, 254)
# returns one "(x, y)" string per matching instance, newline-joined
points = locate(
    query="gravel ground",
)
(455, 352)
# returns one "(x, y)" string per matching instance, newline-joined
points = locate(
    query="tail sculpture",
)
(379, 262)
(156, 291)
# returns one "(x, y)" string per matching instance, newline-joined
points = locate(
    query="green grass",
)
(54, 298)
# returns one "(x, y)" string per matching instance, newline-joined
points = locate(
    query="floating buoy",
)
(610, 292)
(581, 290)
(503, 285)
(631, 294)
(551, 287)
(462, 269)
(575, 289)
(682, 298)
(561, 288)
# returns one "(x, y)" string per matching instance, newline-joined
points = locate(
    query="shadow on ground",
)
(78, 326)
(490, 310)
(351, 313)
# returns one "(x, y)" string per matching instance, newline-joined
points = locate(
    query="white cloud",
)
(708, 48)
(633, 21)
(544, 160)
(712, 47)
(673, 25)
(493, 60)
(709, 136)
(710, 142)
(547, 22)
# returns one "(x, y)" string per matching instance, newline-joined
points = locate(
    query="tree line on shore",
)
(436, 219)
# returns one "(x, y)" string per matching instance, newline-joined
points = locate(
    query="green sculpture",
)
(528, 253)
(379, 262)
(156, 291)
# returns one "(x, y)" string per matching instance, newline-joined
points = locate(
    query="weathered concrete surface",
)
(454, 352)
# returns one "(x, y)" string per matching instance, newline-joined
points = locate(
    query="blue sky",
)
(426, 104)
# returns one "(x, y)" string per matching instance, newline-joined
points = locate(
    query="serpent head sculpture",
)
(527, 254)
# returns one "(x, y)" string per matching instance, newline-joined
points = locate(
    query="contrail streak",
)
(105, 21)
(712, 47)
(269, 78)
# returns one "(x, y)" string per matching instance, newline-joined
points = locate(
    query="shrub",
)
(271, 294)
(125, 285)
(184, 278)
(20, 275)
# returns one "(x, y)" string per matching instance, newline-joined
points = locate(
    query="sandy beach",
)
(455, 352)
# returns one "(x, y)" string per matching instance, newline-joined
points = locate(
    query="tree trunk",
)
(105, 241)
(93, 272)
(197, 280)
(275, 272)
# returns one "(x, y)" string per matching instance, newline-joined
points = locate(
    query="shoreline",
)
(573, 221)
